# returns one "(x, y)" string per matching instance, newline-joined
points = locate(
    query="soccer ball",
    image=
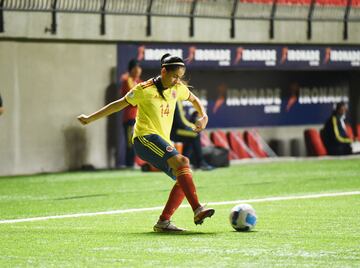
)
(243, 217)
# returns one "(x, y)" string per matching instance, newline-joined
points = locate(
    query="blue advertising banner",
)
(257, 85)
(241, 57)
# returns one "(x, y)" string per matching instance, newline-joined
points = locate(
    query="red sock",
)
(184, 178)
(175, 199)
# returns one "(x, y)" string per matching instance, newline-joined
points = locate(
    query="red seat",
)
(238, 145)
(358, 131)
(218, 137)
(204, 139)
(350, 132)
(314, 143)
(340, 3)
(139, 161)
(252, 140)
(145, 166)
(355, 3)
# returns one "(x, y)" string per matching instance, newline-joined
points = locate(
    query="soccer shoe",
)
(166, 226)
(201, 213)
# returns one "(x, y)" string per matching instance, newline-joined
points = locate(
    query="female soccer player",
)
(156, 101)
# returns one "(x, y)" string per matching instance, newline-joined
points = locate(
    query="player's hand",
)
(84, 119)
(200, 124)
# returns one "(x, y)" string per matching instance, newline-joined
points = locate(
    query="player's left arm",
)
(201, 123)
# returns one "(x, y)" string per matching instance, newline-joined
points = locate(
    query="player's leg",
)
(180, 165)
(156, 151)
(175, 199)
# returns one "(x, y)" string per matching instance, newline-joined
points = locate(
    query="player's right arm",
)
(107, 110)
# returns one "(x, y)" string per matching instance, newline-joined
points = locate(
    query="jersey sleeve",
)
(183, 92)
(134, 96)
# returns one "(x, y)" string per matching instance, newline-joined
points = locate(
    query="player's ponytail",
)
(164, 57)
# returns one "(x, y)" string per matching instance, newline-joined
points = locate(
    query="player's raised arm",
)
(201, 123)
(107, 110)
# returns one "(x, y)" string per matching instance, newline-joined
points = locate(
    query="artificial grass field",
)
(321, 232)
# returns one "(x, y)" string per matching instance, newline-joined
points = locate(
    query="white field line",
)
(133, 210)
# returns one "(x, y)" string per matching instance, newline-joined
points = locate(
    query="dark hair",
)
(339, 105)
(171, 63)
(132, 64)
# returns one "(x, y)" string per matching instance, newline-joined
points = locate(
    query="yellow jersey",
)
(155, 115)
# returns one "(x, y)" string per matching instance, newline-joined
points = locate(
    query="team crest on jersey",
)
(169, 149)
(173, 94)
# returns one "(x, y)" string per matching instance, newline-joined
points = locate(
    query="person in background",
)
(1, 106)
(182, 131)
(128, 81)
(334, 135)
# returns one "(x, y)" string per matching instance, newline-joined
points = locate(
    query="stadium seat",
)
(179, 147)
(218, 137)
(238, 145)
(339, 3)
(145, 166)
(204, 139)
(350, 132)
(358, 132)
(139, 161)
(253, 142)
(314, 143)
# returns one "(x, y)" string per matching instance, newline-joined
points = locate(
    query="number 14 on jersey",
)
(165, 110)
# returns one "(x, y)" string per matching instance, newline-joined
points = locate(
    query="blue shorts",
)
(156, 151)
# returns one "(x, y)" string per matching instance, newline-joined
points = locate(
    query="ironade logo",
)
(223, 56)
(157, 53)
(253, 96)
(352, 56)
(315, 95)
(310, 55)
(266, 55)
(269, 98)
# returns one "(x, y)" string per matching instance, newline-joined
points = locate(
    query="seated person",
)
(182, 131)
(334, 135)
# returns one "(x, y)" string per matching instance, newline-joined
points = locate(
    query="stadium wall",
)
(36, 25)
(44, 87)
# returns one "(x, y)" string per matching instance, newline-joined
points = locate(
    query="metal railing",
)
(217, 9)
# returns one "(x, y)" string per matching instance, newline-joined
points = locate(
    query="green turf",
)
(322, 232)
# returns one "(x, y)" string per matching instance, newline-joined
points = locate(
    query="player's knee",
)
(178, 161)
(183, 161)
(182, 167)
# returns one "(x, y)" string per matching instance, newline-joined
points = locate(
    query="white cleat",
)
(166, 226)
(201, 213)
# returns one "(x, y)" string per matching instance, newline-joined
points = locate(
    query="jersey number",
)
(164, 110)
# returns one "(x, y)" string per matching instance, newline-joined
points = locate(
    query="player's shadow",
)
(185, 233)
(112, 131)
(245, 232)
(76, 148)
